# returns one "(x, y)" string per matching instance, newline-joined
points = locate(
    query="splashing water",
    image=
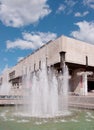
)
(47, 93)
(5, 87)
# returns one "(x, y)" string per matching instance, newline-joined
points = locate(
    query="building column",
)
(83, 88)
(62, 59)
(85, 84)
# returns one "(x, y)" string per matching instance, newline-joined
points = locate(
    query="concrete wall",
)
(77, 51)
(49, 51)
(53, 50)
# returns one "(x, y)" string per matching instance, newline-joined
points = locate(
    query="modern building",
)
(77, 55)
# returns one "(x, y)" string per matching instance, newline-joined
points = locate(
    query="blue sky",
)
(26, 25)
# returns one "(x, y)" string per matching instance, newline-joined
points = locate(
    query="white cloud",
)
(89, 3)
(61, 8)
(19, 43)
(85, 31)
(78, 14)
(18, 13)
(70, 3)
(66, 7)
(19, 59)
(31, 40)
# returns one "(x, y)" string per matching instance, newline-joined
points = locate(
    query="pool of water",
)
(77, 120)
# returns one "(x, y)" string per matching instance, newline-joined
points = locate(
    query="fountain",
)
(46, 94)
(46, 99)
(5, 87)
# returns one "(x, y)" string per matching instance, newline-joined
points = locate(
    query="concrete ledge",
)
(86, 102)
(84, 106)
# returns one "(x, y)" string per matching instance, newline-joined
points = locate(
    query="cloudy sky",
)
(26, 25)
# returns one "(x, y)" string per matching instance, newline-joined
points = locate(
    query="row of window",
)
(12, 75)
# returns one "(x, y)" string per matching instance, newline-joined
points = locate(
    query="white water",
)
(5, 87)
(46, 95)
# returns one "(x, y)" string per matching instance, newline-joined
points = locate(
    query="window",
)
(12, 75)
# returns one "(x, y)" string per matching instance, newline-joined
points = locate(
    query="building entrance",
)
(90, 86)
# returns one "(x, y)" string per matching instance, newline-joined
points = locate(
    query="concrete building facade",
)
(77, 55)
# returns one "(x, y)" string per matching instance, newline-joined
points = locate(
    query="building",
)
(77, 55)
